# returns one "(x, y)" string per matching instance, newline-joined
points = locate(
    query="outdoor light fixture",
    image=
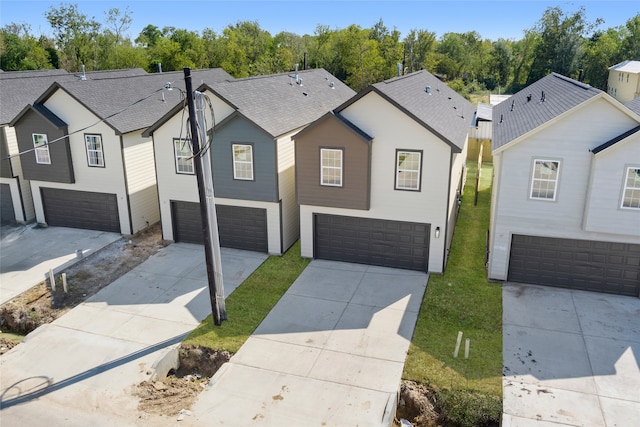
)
(437, 232)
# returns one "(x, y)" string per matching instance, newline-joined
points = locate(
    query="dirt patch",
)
(174, 395)
(417, 405)
(40, 304)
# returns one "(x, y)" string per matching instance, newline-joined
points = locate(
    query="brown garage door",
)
(385, 243)
(239, 227)
(7, 214)
(81, 209)
(576, 264)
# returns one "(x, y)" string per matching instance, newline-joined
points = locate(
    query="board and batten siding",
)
(568, 141)
(109, 179)
(20, 187)
(604, 213)
(287, 190)
(392, 129)
(141, 180)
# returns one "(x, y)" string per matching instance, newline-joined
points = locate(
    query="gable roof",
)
(131, 103)
(340, 119)
(627, 66)
(42, 111)
(278, 104)
(536, 105)
(21, 88)
(427, 100)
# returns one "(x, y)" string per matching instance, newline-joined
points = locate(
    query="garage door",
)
(239, 227)
(576, 264)
(372, 241)
(81, 209)
(7, 214)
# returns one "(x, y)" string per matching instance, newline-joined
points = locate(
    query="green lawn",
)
(463, 300)
(250, 302)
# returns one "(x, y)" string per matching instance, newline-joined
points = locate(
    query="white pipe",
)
(466, 347)
(52, 280)
(455, 352)
(64, 283)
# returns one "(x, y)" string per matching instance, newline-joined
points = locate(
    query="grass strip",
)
(250, 303)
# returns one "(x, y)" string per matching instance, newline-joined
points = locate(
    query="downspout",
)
(126, 185)
(446, 219)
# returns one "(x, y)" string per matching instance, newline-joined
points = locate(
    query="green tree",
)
(601, 51)
(76, 36)
(19, 50)
(149, 36)
(419, 50)
(501, 58)
(631, 39)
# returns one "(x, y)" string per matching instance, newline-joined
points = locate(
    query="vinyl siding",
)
(109, 179)
(392, 130)
(5, 164)
(604, 213)
(264, 185)
(20, 187)
(287, 191)
(141, 181)
(569, 141)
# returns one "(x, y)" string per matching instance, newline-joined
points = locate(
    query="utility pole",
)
(217, 303)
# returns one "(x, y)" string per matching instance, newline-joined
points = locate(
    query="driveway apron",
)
(80, 369)
(571, 358)
(330, 353)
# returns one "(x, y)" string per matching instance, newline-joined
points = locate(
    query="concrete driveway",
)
(571, 358)
(80, 369)
(27, 253)
(330, 353)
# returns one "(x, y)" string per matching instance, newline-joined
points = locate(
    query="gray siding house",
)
(85, 157)
(566, 189)
(252, 155)
(379, 178)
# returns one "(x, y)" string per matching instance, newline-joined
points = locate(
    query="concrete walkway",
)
(80, 370)
(330, 353)
(28, 252)
(571, 358)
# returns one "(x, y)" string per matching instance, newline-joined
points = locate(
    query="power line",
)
(86, 127)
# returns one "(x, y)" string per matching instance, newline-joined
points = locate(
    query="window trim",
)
(43, 147)
(397, 170)
(627, 169)
(87, 150)
(533, 178)
(234, 161)
(176, 157)
(341, 168)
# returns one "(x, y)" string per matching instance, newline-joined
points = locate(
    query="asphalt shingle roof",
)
(537, 104)
(21, 88)
(278, 104)
(439, 108)
(132, 103)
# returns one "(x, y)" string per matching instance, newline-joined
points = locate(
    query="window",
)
(631, 195)
(95, 156)
(544, 182)
(184, 157)
(408, 169)
(331, 167)
(243, 162)
(41, 146)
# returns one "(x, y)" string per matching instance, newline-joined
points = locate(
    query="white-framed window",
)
(243, 162)
(408, 170)
(184, 156)
(331, 167)
(41, 148)
(544, 179)
(95, 155)
(631, 193)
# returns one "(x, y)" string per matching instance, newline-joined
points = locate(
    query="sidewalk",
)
(80, 369)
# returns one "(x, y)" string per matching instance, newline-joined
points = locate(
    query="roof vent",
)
(83, 76)
(428, 89)
(501, 118)
(529, 98)
(160, 67)
(512, 103)
(542, 97)
(332, 85)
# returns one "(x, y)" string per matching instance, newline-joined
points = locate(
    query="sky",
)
(492, 19)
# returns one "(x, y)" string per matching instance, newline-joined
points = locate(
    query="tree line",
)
(560, 41)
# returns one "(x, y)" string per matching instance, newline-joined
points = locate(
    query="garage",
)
(385, 243)
(239, 227)
(589, 265)
(81, 209)
(7, 214)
